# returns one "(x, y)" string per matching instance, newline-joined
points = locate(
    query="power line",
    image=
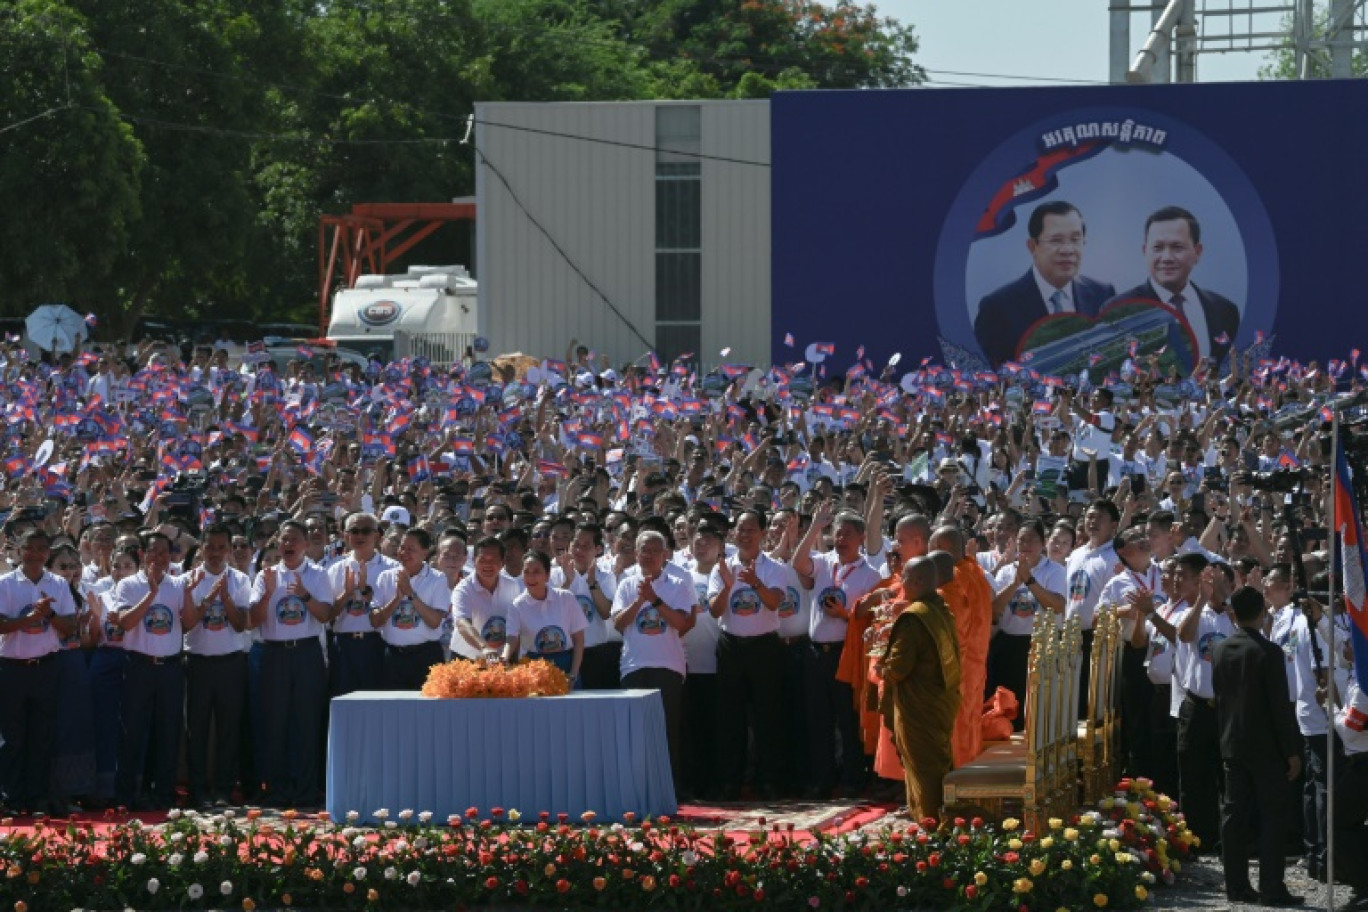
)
(28, 120)
(555, 245)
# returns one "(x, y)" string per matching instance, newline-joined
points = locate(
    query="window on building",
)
(678, 231)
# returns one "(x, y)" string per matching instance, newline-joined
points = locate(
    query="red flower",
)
(861, 882)
(1011, 858)
(520, 887)
(948, 883)
(562, 886)
(976, 822)
(760, 895)
(496, 812)
(562, 817)
(959, 821)
(928, 823)
(921, 867)
(935, 859)
(491, 883)
(971, 891)
(963, 839)
(544, 815)
(472, 812)
(674, 880)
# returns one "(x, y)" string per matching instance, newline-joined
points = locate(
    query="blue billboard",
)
(1071, 229)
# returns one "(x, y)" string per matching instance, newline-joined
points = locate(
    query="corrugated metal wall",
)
(597, 201)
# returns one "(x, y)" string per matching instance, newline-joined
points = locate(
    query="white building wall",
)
(597, 200)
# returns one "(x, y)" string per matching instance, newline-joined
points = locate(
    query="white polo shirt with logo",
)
(405, 626)
(546, 625)
(487, 611)
(159, 632)
(213, 635)
(287, 616)
(355, 615)
(18, 594)
(745, 615)
(649, 642)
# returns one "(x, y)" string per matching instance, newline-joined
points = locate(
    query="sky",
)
(1045, 40)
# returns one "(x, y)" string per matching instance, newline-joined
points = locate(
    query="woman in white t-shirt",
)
(547, 619)
(1023, 588)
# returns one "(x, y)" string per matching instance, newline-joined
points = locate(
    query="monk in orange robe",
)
(970, 599)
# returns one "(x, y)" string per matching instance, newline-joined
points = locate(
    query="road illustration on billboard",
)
(1103, 236)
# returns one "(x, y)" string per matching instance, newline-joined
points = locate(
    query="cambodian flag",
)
(462, 446)
(788, 339)
(825, 348)
(419, 470)
(547, 467)
(1042, 408)
(301, 440)
(590, 440)
(1353, 560)
(91, 320)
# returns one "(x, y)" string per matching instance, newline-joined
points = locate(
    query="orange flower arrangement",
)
(460, 680)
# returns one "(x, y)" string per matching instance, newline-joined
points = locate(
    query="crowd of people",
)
(825, 580)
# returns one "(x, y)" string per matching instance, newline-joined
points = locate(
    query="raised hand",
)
(296, 588)
(748, 575)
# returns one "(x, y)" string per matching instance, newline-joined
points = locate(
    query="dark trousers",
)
(670, 685)
(1085, 674)
(699, 750)
(153, 712)
(1199, 770)
(215, 695)
(255, 762)
(357, 662)
(1351, 821)
(797, 721)
(1163, 730)
(1008, 661)
(293, 683)
(749, 675)
(29, 702)
(106, 691)
(831, 713)
(601, 667)
(1137, 693)
(1254, 792)
(1313, 799)
(406, 667)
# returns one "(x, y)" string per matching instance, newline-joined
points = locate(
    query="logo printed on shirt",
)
(832, 597)
(495, 631)
(290, 611)
(158, 621)
(36, 622)
(1080, 584)
(357, 608)
(550, 639)
(745, 602)
(1160, 645)
(1024, 606)
(649, 621)
(113, 632)
(405, 616)
(789, 606)
(701, 591)
(215, 615)
(1206, 646)
(587, 605)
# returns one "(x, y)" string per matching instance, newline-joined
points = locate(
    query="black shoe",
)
(1281, 900)
(1242, 895)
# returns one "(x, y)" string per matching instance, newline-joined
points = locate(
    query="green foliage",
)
(1282, 63)
(203, 138)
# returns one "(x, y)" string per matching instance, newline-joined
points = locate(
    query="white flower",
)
(349, 832)
(201, 857)
(173, 814)
(226, 888)
(425, 816)
(359, 843)
(390, 824)
(353, 816)
(138, 858)
(174, 859)
(177, 837)
(229, 815)
(902, 891)
(414, 878)
(359, 873)
(636, 846)
(400, 845)
(390, 873)
(226, 841)
(153, 885)
(381, 814)
(1111, 834)
(406, 815)
(420, 843)
(195, 891)
(690, 858)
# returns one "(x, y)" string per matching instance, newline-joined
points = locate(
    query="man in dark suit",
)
(1261, 748)
(1172, 249)
(1056, 237)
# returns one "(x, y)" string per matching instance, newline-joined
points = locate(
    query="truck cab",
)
(429, 311)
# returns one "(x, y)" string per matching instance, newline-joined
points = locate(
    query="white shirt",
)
(596, 629)
(1123, 584)
(1048, 291)
(406, 626)
(745, 615)
(843, 584)
(546, 625)
(159, 632)
(1088, 571)
(649, 642)
(488, 611)
(795, 611)
(1096, 437)
(355, 615)
(1194, 659)
(1018, 619)
(287, 616)
(700, 643)
(1310, 713)
(1192, 312)
(113, 633)
(213, 635)
(1159, 654)
(17, 596)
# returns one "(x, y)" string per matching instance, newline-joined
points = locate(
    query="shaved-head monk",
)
(969, 597)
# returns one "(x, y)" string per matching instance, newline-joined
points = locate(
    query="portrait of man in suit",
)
(1172, 249)
(1056, 236)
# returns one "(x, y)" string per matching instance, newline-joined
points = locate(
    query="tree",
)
(70, 176)
(1282, 63)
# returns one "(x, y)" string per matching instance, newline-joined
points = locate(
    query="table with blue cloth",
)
(601, 751)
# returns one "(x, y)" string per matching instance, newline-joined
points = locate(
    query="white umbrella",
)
(56, 327)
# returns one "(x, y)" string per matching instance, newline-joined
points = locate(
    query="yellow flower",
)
(1037, 867)
(1114, 845)
(248, 905)
(1165, 803)
(1015, 845)
(1011, 823)
(515, 815)
(1176, 865)
(1140, 892)
(1094, 859)
(1100, 900)
(648, 883)
(1022, 885)
(1047, 842)
(980, 878)
(1066, 865)
(1108, 803)
(372, 895)
(549, 870)
(1056, 823)
(1071, 834)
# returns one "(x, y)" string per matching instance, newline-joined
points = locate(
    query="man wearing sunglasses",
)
(357, 652)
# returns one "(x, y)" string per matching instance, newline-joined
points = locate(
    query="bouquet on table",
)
(458, 680)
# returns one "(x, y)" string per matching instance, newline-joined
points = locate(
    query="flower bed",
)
(459, 679)
(1106, 858)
